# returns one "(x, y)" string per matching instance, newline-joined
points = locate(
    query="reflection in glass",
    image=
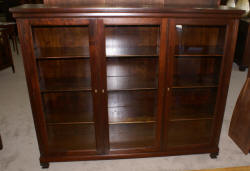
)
(199, 40)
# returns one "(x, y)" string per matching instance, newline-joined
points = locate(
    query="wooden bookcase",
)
(141, 81)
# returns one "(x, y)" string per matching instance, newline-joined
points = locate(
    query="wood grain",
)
(239, 129)
(144, 2)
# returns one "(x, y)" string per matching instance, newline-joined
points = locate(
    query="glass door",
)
(63, 62)
(197, 58)
(132, 59)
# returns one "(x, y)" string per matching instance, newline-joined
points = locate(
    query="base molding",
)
(64, 158)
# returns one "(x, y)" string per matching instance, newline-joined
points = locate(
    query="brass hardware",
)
(96, 91)
(103, 91)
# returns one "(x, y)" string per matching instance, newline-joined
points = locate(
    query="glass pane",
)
(193, 103)
(61, 41)
(132, 106)
(125, 136)
(70, 120)
(62, 54)
(132, 78)
(198, 55)
(62, 74)
(71, 137)
(132, 40)
(199, 40)
(68, 107)
(184, 133)
(197, 64)
(133, 73)
(196, 71)
(63, 57)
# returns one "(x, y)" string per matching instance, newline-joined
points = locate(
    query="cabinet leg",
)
(214, 155)
(13, 69)
(1, 144)
(44, 165)
(242, 68)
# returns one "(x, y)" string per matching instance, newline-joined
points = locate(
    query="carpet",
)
(228, 169)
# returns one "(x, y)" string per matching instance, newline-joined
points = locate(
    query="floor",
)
(21, 153)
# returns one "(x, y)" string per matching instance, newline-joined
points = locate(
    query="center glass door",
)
(132, 59)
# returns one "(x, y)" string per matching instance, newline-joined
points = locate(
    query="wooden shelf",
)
(132, 107)
(196, 71)
(66, 90)
(52, 85)
(133, 98)
(184, 133)
(62, 52)
(125, 136)
(191, 111)
(193, 103)
(63, 138)
(132, 56)
(65, 85)
(56, 41)
(132, 89)
(121, 73)
(61, 58)
(83, 52)
(198, 51)
(132, 114)
(70, 123)
(132, 40)
(131, 83)
(193, 118)
(65, 75)
(198, 55)
(68, 107)
(195, 86)
(130, 52)
(132, 122)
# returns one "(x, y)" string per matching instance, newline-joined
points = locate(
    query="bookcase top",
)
(144, 2)
(29, 9)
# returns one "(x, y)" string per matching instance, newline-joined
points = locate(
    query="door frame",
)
(162, 75)
(32, 78)
(224, 77)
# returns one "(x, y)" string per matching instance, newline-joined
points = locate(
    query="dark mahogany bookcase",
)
(118, 80)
